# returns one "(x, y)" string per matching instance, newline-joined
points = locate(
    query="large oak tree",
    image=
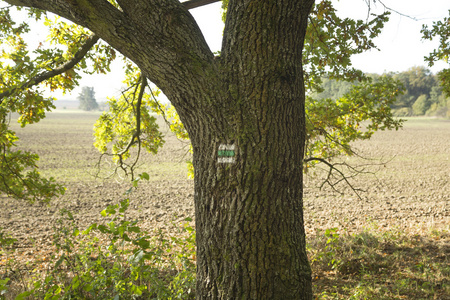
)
(244, 112)
(249, 221)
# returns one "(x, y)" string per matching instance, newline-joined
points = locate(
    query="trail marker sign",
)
(226, 154)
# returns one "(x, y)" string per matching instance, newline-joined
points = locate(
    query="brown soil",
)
(411, 191)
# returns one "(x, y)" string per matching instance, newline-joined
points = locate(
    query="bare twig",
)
(344, 177)
(135, 138)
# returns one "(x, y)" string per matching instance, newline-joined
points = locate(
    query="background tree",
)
(440, 103)
(413, 81)
(421, 105)
(251, 99)
(87, 99)
(417, 81)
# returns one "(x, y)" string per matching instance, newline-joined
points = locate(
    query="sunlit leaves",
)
(20, 179)
(333, 124)
(331, 41)
(444, 78)
(22, 67)
(171, 116)
(440, 29)
(70, 37)
(23, 76)
(116, 130)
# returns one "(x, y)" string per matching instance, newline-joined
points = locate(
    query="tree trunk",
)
(249, 209)
(249, 219)
(245, 116)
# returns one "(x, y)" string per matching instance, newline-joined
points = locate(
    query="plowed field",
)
(410, 188)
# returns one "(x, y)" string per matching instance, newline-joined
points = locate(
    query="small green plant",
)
(332, 247)
(330, 243)
(3, 287)
(117, 259)
(6, 241)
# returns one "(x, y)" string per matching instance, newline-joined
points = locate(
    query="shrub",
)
(116, 260)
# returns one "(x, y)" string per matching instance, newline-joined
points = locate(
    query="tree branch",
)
(128, 169)
(159, 36)
(332, 167)
(197, 3)
(137, 133)
(81, 53)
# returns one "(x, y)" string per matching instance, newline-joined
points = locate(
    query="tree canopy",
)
(421, 89)
(73, 50)
(255, 98)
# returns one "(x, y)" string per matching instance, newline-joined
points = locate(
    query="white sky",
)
(400, 42)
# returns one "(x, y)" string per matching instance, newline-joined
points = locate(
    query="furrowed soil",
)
(405, 181)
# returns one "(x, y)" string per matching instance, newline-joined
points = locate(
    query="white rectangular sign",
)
(226, 154)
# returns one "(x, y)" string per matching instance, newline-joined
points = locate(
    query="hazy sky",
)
(400, 42)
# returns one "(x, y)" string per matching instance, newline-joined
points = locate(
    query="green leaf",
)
(59, 261)
(88, 287)
(103, 229)
(23, 295)
(144, 176)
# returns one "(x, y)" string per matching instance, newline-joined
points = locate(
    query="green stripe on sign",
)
(225, 153)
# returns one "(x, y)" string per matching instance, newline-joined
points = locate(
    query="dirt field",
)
(410, 191)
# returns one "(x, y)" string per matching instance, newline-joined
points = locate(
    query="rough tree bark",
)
(250, 100)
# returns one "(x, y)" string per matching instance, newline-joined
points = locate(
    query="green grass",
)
(371, 264)
(379, 264)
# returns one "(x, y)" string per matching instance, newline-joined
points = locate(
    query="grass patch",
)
(378, 264)
(119, 259)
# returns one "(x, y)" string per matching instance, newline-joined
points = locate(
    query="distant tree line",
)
(422, 95)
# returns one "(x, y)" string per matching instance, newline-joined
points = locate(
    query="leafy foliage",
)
(128, 123)
(333, 124)
(19, 177)
(116, 259)
(422, 94)
(440, 29)
(331, 41)
(329, 45)
(25, 74)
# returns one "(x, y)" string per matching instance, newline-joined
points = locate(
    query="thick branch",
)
(81, 53)
(197, 3)
(159, 36)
